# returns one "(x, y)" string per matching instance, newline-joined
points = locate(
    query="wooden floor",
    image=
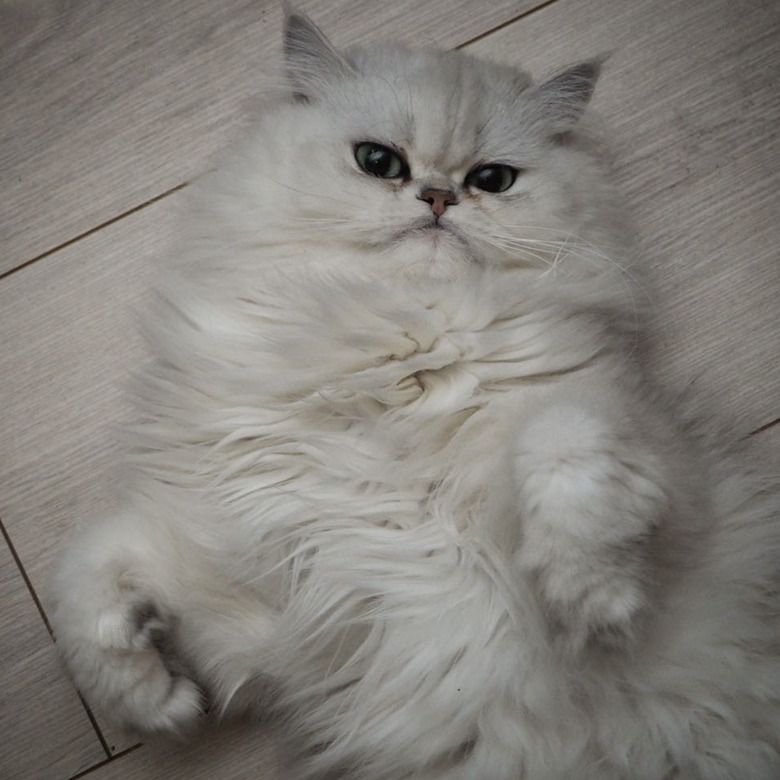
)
(108, 109)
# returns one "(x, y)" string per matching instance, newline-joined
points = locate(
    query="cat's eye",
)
(492, 178)
(378, 160)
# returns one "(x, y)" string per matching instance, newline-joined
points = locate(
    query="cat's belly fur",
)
(424, 632)
(375, 513)
(405, 628)
(386, 547)
(407, 633)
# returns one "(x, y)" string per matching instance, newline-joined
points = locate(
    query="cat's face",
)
(421, 161)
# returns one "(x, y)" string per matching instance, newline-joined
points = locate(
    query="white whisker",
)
(322, 220)
(316, 196)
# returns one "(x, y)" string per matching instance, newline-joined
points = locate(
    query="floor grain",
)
(46, 734)
(106, 106)
(69, 336)
(236, 752)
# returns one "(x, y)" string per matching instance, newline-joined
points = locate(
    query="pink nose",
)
(439, 199)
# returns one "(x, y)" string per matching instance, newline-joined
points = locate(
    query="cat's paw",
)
(587, 608)
(131, 672)
(589, 500)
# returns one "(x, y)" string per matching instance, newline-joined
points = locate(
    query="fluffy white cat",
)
(399, 476)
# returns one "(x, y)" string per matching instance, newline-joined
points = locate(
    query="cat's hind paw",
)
(130, 671)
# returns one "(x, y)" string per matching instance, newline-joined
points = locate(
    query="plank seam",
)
(95, 229)
(765, 427)
(501, 26)
(42, 613)
(26, 579)
(101, 764)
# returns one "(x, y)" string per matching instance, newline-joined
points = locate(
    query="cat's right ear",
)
(311, 60)
(566, 95)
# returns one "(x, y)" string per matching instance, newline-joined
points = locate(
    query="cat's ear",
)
(311, 61)
(565, 96)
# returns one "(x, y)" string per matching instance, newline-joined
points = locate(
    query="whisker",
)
(322, 220)
(318, 195)
(507, 245)
(511, 242)
(572, 243)
(584, 246)
(516, 250)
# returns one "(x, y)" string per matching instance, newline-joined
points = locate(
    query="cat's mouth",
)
(436, 231)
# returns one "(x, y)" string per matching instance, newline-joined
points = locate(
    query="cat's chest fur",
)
(378, 462)
(367, 402)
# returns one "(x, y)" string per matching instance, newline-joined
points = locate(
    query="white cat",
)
(398, 474)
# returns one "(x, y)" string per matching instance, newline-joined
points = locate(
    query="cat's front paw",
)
(585, 607)
(589, 500)
(129, 669)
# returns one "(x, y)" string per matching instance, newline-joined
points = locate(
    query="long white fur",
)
(414, 493)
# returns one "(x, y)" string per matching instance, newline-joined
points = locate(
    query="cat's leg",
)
(113, 623)
(591, 495)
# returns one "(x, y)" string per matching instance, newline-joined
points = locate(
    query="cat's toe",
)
(147, 628)
(604, 615)
(176, 709)
(133, 673)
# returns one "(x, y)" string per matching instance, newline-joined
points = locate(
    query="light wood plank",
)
(693, 94)
(238, 752)
(103, 106)
(68, 334)
(46, 733)
(69, 338)
(766, 446)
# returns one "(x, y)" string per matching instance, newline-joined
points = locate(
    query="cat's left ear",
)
(565, 96)
(312, 61)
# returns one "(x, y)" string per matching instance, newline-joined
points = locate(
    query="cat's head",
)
(418, 161)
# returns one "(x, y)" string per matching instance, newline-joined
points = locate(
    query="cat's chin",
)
(431, 252)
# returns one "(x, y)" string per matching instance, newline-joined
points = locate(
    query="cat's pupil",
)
(492, 178)
(378, 161)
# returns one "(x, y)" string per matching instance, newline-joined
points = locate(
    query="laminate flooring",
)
(108, 110)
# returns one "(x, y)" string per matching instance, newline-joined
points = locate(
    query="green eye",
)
(492, 178)
(378, 160)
